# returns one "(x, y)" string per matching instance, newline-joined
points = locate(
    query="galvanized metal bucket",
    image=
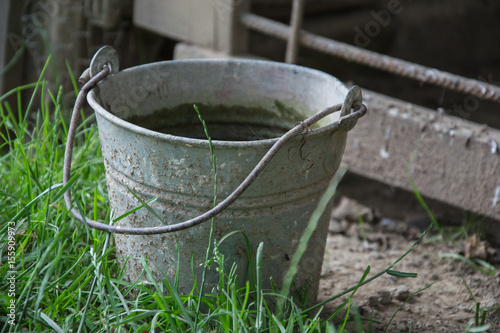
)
(154, 146)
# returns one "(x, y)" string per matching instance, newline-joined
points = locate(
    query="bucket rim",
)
(92, 99)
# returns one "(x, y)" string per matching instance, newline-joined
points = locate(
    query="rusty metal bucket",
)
(154, 146)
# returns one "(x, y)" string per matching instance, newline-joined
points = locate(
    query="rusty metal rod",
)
(68, 153)
(292, 47)
(376, 60)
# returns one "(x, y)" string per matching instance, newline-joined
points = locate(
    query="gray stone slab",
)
(449, 159)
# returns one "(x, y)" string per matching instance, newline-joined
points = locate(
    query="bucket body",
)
(154, 145)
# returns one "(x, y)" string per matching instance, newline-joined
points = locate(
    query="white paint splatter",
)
(384, 152)
(493, 146)
(496, 197)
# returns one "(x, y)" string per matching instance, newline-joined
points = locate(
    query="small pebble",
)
(372, 301)
(370, 246)
(402, 293)
(388, 223)
(376, 255)
(415, 263)
(384, 297)
(465, 308)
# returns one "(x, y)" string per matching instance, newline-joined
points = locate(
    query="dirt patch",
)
(446, 306)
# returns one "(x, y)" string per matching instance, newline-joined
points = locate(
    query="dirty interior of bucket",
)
(240, 100)
(225, 123)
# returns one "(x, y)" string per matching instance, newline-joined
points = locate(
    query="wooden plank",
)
(192, 21)
(211, 24)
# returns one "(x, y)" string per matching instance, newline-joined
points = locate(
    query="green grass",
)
(67, 277)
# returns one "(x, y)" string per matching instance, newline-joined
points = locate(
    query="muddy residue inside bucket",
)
(228, 123)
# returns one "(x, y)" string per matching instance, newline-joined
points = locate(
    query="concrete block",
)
(191, 21)
(450, 159)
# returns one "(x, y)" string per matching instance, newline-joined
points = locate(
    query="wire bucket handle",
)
(104, 63)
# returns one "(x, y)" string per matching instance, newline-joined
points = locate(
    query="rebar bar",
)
(376, 60)
(292, 47)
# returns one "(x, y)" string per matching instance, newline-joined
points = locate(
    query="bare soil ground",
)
(446, 306)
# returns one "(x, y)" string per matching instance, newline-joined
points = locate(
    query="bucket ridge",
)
(275, 200)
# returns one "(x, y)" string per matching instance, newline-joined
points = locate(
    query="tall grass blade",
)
(134, 210)
(147, 206)
(480, 329)
(416, 191)
(477, 264)
(349, 299)
(51, 323)
(210, 236)
(306, 236)
(259, 294)
(424, 206)
(173, 293)
(30, 204)
(20, 51)
(401, 274)
(32, 99)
